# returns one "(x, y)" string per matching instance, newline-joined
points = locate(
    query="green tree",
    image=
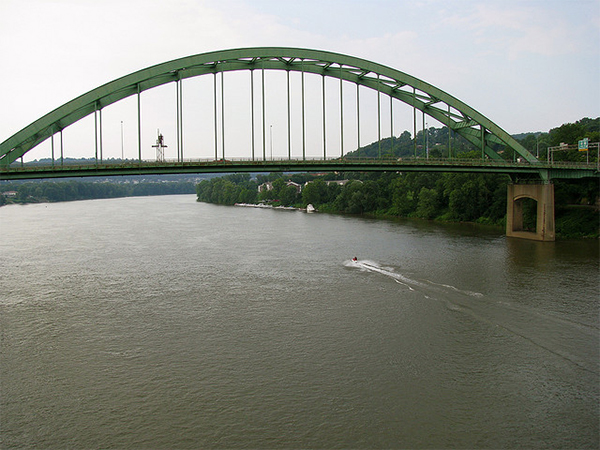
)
(315, 193)
(403, 198)
(427, 206)
(352, 198)
(288, 196)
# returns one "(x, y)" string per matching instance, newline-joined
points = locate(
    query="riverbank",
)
(309, 208)
(444, 197)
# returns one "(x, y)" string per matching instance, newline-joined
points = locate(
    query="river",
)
(161, 323)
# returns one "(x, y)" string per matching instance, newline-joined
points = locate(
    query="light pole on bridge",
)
(271, 139)
(122, 143)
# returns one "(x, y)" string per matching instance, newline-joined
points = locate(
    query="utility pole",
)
(427, 139)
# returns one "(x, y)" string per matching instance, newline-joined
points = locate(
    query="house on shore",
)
(268, 186)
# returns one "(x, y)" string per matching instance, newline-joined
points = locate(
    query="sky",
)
(528, 65)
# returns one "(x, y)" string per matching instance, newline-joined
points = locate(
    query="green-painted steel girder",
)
(458, 116)
(515, 170)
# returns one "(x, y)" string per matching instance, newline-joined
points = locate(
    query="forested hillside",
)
(434, 141)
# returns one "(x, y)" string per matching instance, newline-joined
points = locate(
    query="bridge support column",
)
(543, 194)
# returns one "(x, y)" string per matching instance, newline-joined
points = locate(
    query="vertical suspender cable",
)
(392, 124)
(96, 131)
(181, 116)
(341, 114)
(100, 117)
(482, 142)
(61, 148)
(414, 121)
(52, 141)
(223, 113)
(424, 144)
(178, 101)
(449, 131)
(252, 107)
(215, 112)
(263, 115)
(358, 119)
(303, 121)
(378, 117)
(139, 124)
(324, 131)
(289, 132)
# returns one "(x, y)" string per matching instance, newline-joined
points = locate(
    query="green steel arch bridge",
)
(430, 101)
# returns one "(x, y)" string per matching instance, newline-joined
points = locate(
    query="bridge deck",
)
(94, 169)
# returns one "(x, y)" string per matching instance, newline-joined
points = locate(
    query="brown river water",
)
(162, 323)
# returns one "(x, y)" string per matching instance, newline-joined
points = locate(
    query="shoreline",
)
(309, 208)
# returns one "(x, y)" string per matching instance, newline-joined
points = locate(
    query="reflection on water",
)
(531, 254)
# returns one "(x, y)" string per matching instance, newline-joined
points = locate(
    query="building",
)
(268, 186)
(295, 185)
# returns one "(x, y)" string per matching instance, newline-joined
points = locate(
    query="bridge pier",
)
(543, 194)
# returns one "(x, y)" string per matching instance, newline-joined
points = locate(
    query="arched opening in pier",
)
(525, 214)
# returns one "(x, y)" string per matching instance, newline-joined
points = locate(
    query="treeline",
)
(458, 197)
(568, 133)
(436, 143)
(35, 192)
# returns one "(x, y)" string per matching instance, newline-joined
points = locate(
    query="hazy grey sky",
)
(528, 65)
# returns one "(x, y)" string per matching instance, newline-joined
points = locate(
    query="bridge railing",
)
(73, 165)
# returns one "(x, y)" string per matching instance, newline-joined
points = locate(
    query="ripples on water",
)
(513, 318)
(165, 323)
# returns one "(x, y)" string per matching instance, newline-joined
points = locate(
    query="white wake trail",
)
(372, 266)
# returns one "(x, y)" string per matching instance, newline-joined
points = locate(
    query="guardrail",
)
(551, 163)
(118, 167)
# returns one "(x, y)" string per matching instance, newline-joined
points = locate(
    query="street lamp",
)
(122, 143)
(537, 145)
(427, 140)
(271, 135)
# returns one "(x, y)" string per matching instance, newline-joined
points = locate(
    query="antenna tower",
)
(160, 147)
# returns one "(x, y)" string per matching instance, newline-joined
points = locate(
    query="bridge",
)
(351, 80)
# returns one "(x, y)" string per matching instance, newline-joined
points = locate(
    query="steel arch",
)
(434, 102)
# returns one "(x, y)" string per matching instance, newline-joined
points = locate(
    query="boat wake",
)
(521, 321)
(412, 284)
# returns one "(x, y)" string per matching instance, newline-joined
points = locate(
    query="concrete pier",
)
(543, 194)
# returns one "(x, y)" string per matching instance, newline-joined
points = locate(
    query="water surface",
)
(160, 322)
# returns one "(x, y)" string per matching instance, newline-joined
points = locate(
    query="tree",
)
(315, 193)
(403, 198)
(288, 196)
(427, 206)
(351, 199)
